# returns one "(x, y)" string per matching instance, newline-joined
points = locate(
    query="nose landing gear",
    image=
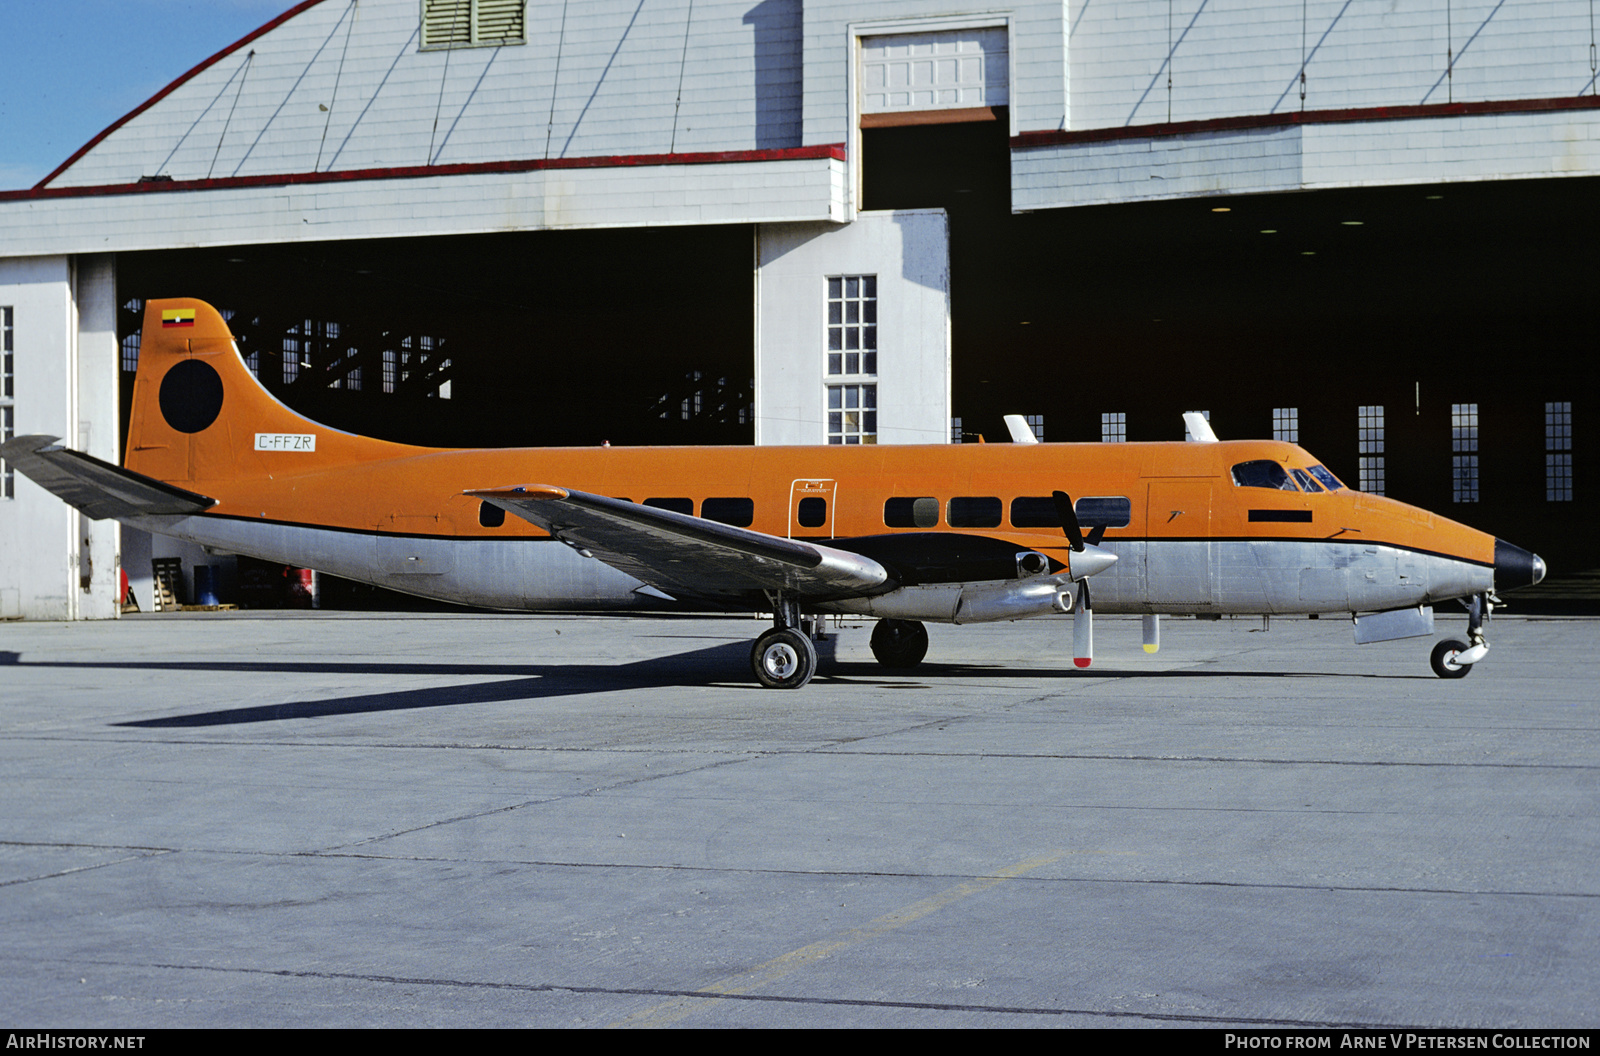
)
(1453, 658)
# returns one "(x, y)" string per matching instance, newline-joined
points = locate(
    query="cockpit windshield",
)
(1328, 480)
(1307, 483)
(1263, 473)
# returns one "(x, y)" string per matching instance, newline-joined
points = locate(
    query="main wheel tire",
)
(899, 644)
(783, 658)
(1444, 656)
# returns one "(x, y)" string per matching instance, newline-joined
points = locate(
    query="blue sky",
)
(69, 68)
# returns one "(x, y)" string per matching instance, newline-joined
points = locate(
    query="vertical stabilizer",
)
(199, 415)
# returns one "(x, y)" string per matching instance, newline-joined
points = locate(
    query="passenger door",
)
(811, 509)
(1179, 557)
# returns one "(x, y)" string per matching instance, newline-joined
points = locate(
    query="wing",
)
(97, 488)
(690, 556)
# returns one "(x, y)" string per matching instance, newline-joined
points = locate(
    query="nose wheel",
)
(1444, 659)
(1453, 658)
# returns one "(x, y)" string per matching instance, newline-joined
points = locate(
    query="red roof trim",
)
(163, 93)
(835, 151)
(1305, 117)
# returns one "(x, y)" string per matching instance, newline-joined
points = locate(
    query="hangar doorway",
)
(1424, 342)
(557, 338)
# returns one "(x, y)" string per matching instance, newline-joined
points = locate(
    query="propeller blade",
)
(1069, 519)
(1083, 628)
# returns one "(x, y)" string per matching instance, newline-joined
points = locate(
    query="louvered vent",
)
(471, 23)
(498, 22)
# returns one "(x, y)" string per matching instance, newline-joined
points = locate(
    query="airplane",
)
(906, 534)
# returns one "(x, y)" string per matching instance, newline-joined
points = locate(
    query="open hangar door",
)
(1456, 320)
(571, 338)
(1431, 342)
(632, 336)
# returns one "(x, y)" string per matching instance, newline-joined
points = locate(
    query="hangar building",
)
(1365, 225)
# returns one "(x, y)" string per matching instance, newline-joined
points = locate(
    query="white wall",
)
(55, 564)
(909, 252)
(607, 196)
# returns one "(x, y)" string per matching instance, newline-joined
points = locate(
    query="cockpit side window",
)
(1263, 473)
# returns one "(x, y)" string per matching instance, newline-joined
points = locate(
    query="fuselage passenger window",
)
(1034, 511)
(1104, 511)
(904, 512)
(974, 511)
(812, 512)
(675, 505)
(490, 515)
(740, 513)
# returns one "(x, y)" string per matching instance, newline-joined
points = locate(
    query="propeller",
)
(1088, 558)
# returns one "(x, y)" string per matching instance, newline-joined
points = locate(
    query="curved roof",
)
(344, 86)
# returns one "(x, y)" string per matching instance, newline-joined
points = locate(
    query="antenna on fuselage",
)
(1021, 431)
(1196, 427)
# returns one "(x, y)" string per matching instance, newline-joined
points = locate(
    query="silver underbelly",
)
(493, 573)
(1277, 576)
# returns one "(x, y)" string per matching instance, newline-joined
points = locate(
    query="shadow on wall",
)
(777, 25)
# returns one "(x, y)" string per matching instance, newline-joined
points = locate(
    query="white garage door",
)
(946, 70)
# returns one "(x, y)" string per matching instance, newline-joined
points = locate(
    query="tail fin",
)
(199, 415)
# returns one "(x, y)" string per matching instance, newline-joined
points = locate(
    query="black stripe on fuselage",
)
(1046, 544)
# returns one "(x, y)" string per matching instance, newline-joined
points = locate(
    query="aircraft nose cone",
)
(1515, 567)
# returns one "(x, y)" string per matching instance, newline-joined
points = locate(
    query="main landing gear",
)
(899, 644)
(1453, 658)
(784, 658)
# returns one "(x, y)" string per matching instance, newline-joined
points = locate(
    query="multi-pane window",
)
(853, 325)
(1369, 448)
(130, 341)
(1558, 452)
(1114, 427)
(1464, 448)
(852, 414)
(852, 357)
(955, 430)
(1035, 425)
(8, 425)
(472, 23)
(1286, 424)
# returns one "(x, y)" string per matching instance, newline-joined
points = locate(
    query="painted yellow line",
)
(775, 969)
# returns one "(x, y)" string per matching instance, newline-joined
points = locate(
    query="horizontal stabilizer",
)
(97, 488)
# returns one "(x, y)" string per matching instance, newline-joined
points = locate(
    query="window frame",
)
(1369, 449)
(850, 359)
(1558, 451)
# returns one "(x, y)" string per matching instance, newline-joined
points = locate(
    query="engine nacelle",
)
(965, 602)
(1012, 601)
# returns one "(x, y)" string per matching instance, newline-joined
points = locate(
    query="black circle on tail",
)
(191, 396)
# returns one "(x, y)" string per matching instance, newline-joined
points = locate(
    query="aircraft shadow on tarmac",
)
(697, 667)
